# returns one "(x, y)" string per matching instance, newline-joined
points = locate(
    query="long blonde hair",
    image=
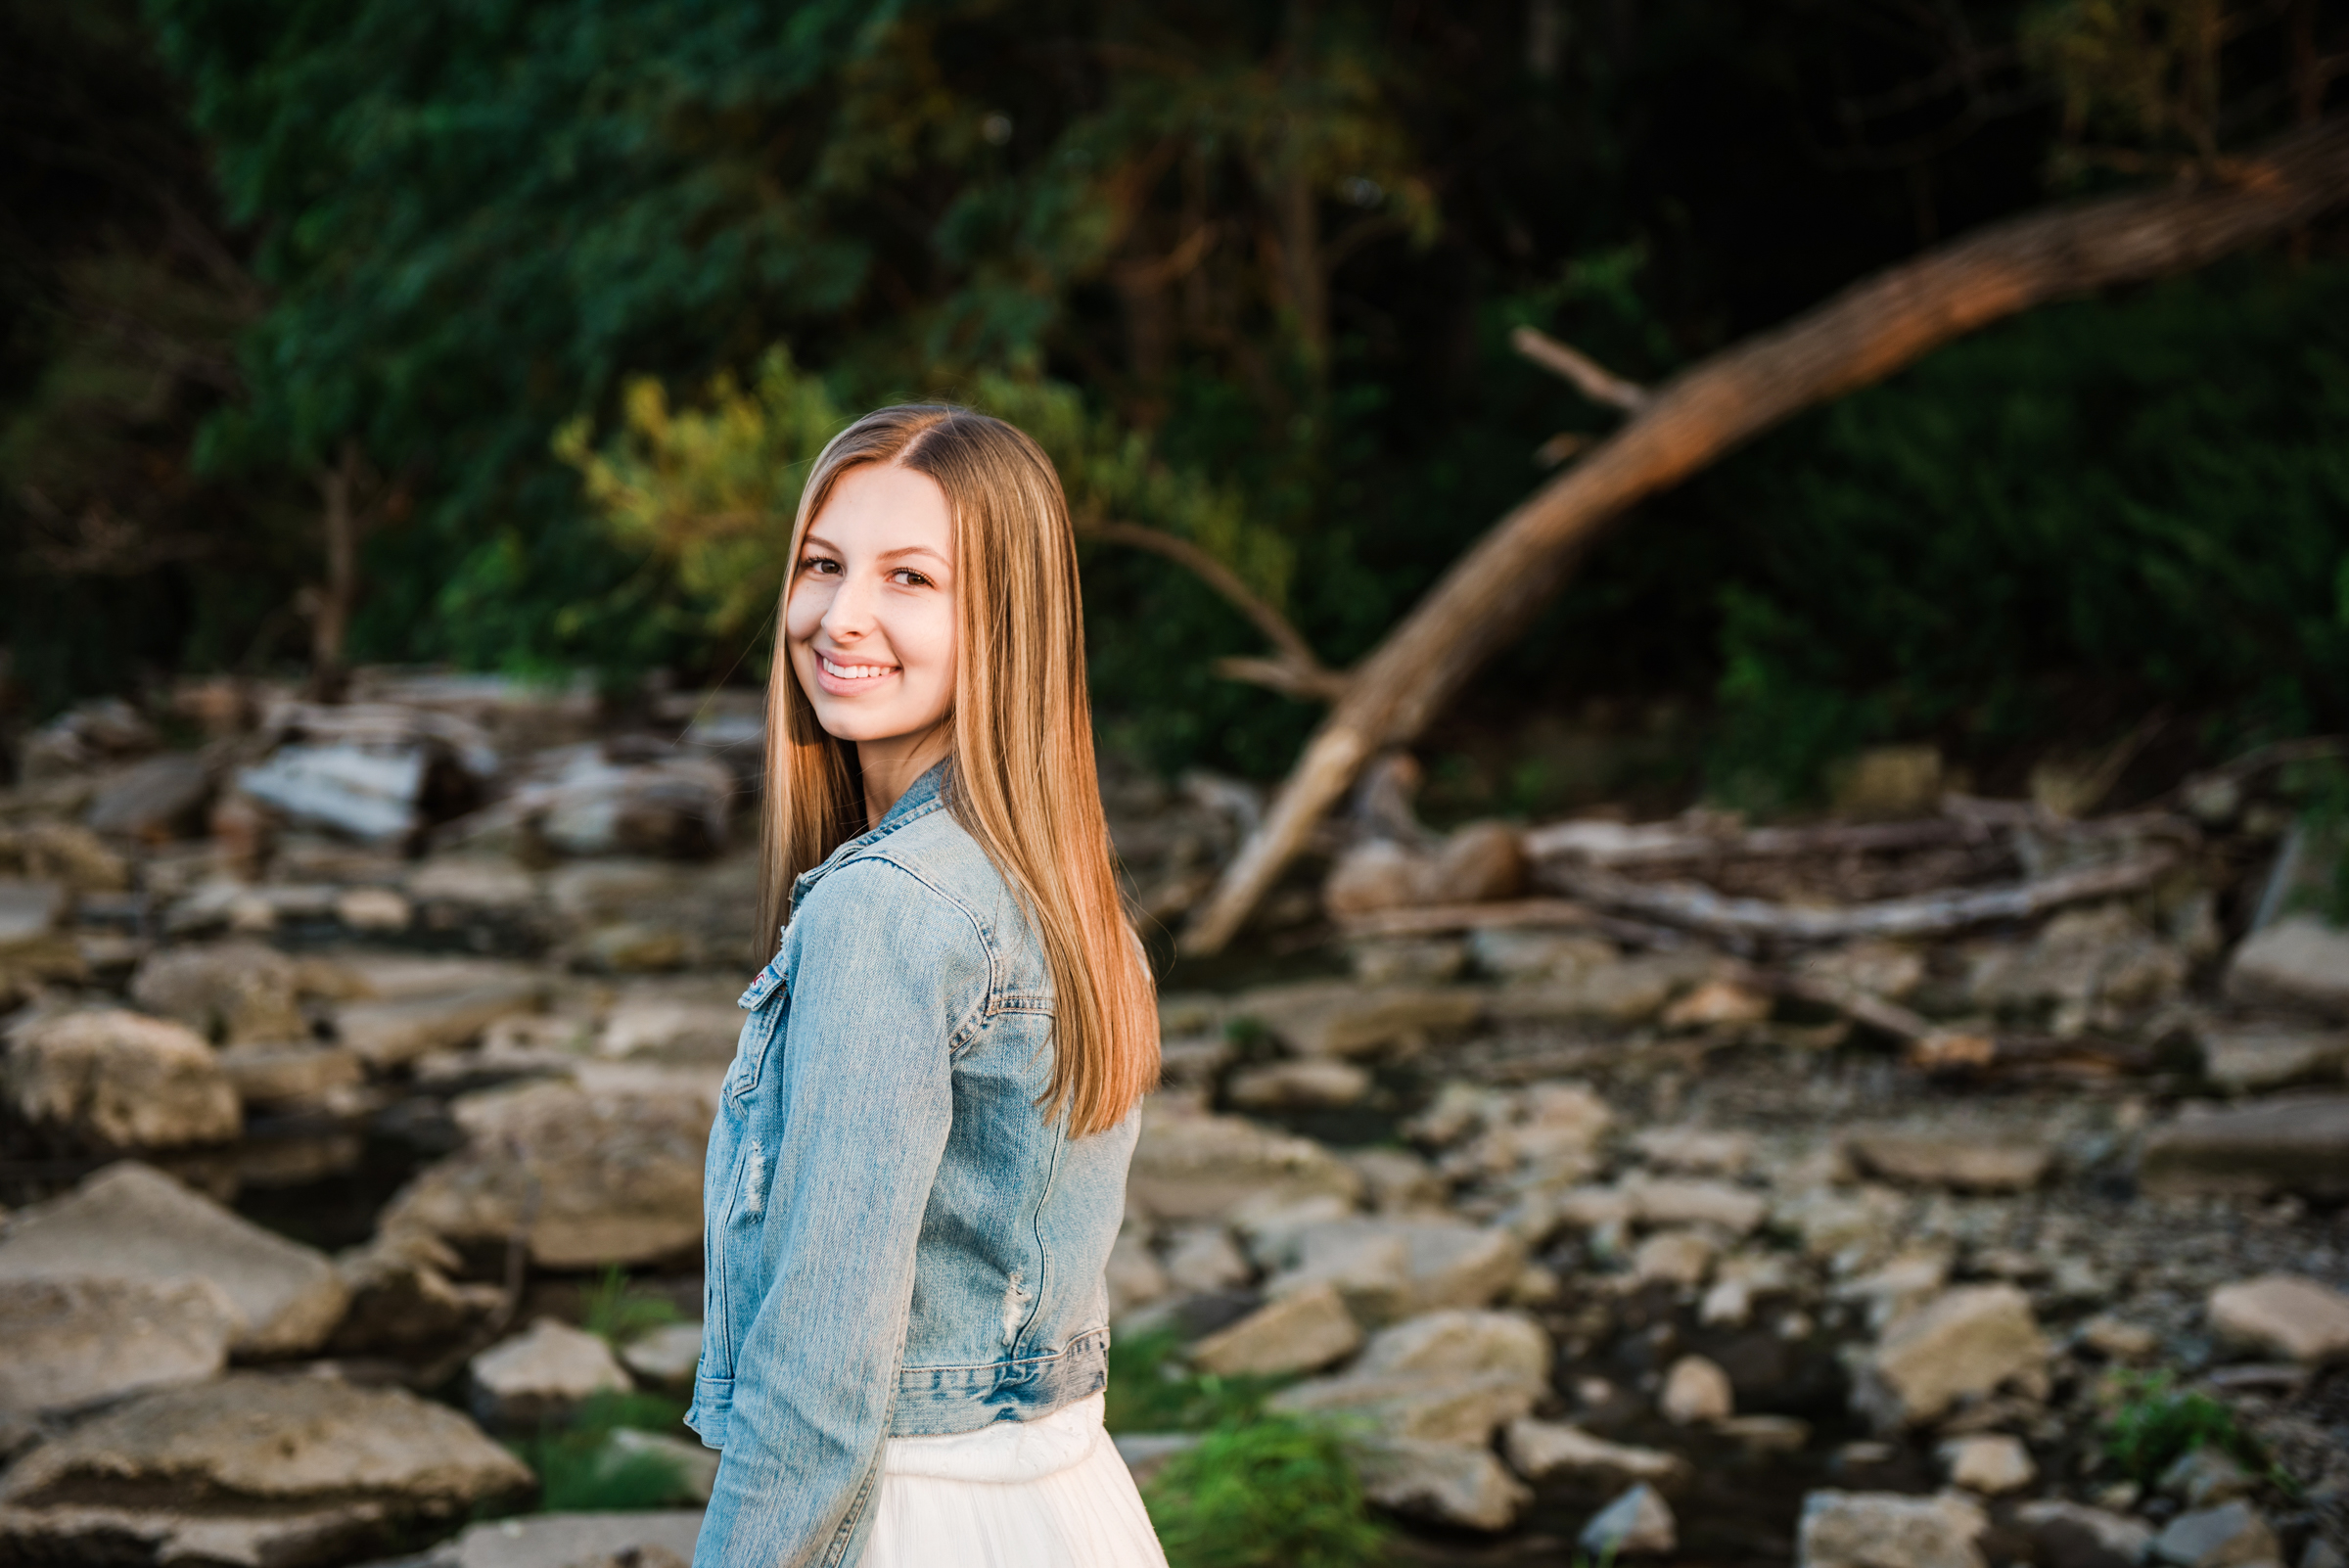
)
(1021, 778)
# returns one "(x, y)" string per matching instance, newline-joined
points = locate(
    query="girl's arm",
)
(889, 972)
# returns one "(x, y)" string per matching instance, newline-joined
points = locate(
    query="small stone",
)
(2070, 1535)
(1406, 961)
(2217, 1538)
(290, 1471)
(2205, 1477)
(130, 1221)
(1674, 1258)
(2295, 1143)
(1692, 1149)
(1717, 1004)
(2286, 1314)
(636, 948)
(1695, 1391)
(113, 1080)
(541, 1374)
(1202, 1258)
(667, 1356)
(2117, 1339)
(67, 1343)
(1964, 1344)
(1297, 1086)
(1888, 1530)
(1479, 863)
(1456, 1484)
(1968, 1164)
(1637, 1524)
(2299, 961)
(1991, 1464)
(1543, 1450)
(1695, 1203)
(373, 909)
(1297, 1333)
(1371, 876)
(1767, 1434)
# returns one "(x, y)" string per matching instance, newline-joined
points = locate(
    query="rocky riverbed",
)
(352, 1049)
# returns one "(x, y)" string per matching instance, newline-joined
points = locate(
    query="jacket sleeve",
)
(889, 972)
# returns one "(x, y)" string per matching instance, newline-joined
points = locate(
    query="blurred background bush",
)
(545, 308)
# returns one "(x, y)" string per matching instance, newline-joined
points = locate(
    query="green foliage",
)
(2153, 1425)
(2091, 511)
(577, 1470)
(1264, 1492)
(1150, 1390)
(617, 1312)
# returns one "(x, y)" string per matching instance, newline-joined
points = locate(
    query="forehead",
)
(880, 509)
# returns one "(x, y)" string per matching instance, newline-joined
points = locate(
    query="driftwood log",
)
(1861, 336)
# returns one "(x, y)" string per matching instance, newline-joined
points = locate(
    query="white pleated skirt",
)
(1044, 1494)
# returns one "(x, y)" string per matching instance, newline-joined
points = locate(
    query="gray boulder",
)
(2290, 1143)
(115, 1080)
(1950, 1160)
(2299, 961)
(2072, 1534)
(2285, 1314)
(1456, 1484)
(667, 1356)
(131, 1222)
(1541, 1451)
(1388, 1268)
(588, 1178)
(1964, 1344)
(1192, 1165)
(254, 1470)
(2251, 1057)
(403, 1301)
(661, 1539)
(66, 1343)
(162, 798)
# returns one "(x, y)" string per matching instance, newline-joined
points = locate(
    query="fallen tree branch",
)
(1697, 908)
(1435, 919)
(1863, 334)
(1616, 844)
(1591, 379)
(1296, 672)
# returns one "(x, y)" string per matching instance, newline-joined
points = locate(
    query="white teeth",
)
(854, 671)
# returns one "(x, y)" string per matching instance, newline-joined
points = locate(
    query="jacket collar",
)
(922, 797)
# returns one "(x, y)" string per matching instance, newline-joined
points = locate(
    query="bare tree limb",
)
(1295, 672)
(1591, 379)
(1861, 336)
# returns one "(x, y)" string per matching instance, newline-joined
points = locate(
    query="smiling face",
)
(870, 619)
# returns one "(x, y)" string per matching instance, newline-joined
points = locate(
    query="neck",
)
(890, 766)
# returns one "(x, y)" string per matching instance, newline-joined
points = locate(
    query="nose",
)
(848, 615)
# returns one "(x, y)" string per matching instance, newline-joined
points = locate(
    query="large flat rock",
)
(130, 1221)
(2288, 1144)
(255, 1470)
(1188, 1165)
(235, 992)
(67, 1343)
(570, 1540)
(2298, 962)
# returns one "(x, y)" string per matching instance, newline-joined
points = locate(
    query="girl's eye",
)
(820, 563)
(911, 578)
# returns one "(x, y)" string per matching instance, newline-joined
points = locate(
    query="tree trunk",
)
(331, 603)
(1868, 331)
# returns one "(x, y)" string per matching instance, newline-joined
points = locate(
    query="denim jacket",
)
(897, 1241)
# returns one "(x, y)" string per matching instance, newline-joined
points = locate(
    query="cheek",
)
(928, 641)
(804, 611)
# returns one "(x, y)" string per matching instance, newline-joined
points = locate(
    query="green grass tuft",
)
(577, 1472)
(617, 1312)
(2155, 1424)
(1151, 1391)
(1265, 1492)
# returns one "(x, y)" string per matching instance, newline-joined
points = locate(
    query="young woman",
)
(919, 1160)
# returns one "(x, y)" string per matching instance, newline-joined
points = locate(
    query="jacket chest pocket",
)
(767, 1001)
